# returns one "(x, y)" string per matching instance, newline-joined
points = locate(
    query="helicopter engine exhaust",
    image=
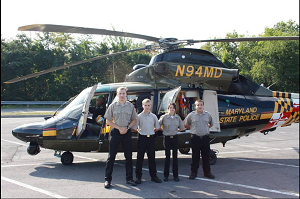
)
(161, 68)
(33, 149)
(235, 75)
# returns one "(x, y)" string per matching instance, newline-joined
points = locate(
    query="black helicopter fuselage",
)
(242, 106)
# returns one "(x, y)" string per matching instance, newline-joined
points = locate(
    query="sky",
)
(185, 19)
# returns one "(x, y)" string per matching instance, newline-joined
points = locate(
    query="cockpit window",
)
(74, 109)
(177, 57)
(200, 58)
(155, 59)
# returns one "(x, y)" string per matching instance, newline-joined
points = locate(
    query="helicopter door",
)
(210, 99)
(170, 96)
(85, 111)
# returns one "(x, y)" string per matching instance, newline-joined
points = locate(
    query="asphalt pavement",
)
(257, 166)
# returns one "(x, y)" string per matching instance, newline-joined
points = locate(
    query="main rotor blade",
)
(71, 64)
(249, 39)
(82, 30)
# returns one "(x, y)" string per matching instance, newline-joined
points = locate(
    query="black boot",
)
(209, 175)
(193, 176)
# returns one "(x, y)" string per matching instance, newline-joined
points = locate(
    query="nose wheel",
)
(67, 158)
(184, 150)
(213, 157)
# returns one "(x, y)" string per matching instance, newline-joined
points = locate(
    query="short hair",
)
(121, 88)
(146, 101)
(198, 101)
(100, 97)
(172, 104)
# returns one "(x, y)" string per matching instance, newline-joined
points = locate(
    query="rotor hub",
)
(169, 43)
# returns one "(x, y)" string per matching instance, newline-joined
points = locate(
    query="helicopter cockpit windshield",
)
(74, 109)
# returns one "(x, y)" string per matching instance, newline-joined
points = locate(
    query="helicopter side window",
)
(208, 60)
(140, 98)
(136, 99)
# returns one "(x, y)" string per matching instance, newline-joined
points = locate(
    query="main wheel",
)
(212, 157)
(67, 158)
(184, 150)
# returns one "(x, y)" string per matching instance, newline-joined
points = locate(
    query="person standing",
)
(124, 116)
(171, 123)
(146, 123)
(199, 122)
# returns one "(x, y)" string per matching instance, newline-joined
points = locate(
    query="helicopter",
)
(239, 106)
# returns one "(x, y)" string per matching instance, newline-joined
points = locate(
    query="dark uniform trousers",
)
(145, 144)
(200, 144)
(171, 142)
(115, 140)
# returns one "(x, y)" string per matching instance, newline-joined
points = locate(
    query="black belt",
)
(148, 136)
(171, 136)
(202, 136)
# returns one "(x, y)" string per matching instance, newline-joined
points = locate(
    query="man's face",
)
(147, 106)
(199, 106)
(99, 101)
(122, 95)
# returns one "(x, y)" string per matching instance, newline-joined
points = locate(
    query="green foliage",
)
(272, 63)
(121, 65)
(23, 56)
(280, 59)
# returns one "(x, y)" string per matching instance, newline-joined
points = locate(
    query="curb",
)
(13, 116)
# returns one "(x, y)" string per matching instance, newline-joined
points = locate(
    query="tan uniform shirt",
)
(146, 123)
(122, 114)
(171, 124)
(199, 122)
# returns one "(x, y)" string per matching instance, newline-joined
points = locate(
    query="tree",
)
(277, 62)
(23, 56)
(16, 60)
(121, 65)
(273, 63)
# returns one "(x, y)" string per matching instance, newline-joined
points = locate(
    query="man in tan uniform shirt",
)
(199, 122)
(124, 117)
(146, 123)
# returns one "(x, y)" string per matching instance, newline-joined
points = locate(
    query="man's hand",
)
(187, 126)
(123, 130)
(134, 130)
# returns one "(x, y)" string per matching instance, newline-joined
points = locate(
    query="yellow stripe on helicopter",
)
(49, 133)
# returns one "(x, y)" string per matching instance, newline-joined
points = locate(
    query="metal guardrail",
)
(32, 102)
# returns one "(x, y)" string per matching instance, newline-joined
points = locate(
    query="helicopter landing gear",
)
(33, 148)
(184, 150)
(213, 157)
(67, 158)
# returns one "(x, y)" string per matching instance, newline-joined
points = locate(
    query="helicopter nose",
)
(27, 133)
